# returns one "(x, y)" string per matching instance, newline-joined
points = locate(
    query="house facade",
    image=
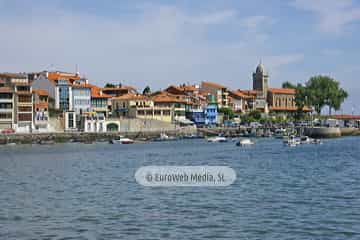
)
(6, 108)
(22, 101)
(41, 109)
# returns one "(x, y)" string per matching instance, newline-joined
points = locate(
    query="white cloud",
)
(213, 18)
(253, 23)
(160, 46)
(334, 15)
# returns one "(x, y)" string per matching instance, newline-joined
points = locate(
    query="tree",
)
(324, 91)
(109, 85)
(228, 113)
(147, 91)
(301, 100)
(288, 84)
(255, 114)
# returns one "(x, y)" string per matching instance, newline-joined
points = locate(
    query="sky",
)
(159, 43)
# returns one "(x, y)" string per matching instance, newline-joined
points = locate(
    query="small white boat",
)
(306, 140)
(122, 140)
(245, 142)
(164, 137)
(217, 139)
(317, 141)
(280, 133)
(292, 141)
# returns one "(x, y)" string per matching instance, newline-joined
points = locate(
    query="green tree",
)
(228, 113)
(109, 85)
(255, 114)
(324, 91)
(288, 84)
(147, 91)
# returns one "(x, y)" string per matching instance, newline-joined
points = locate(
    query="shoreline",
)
(144, 136)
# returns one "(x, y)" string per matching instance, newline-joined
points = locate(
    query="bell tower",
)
(261, 80)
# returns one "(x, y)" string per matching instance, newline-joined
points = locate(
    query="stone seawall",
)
(322, 132)
(88, 137)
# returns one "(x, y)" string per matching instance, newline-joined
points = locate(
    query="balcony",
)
(25, 117)
(5, 117)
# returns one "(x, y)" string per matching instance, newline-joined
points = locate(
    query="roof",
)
(85, 85)
(5, 90)
(189, 88)
(283, 90)
(41, 104)
(212, 84)
(306, 109)
(347, 117)
(167, 98)
(41, 92)
(13, 75)
(122, 87)
(239, 94)
(260, 68)
(96, 92)
(130, 96)
(62, 75)
(23, 93)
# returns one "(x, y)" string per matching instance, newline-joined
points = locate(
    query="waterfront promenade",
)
(59, 137)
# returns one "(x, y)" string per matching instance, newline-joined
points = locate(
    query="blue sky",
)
(158, 43)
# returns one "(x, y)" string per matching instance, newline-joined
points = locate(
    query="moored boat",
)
(122, 140)
(292, 141)
(217, 139)
(245, 142)
(164, 137)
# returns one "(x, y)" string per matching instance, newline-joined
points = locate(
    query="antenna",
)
(77, 69)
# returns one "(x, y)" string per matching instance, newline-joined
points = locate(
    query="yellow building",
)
(162, 107)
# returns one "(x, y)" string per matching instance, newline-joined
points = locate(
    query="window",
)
(6, 105)
(5, 115)
(24, 99)
(25, 117)
(5, 96)
(70, 120)
(24, 109)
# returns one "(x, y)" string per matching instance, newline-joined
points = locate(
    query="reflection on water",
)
(80, 191)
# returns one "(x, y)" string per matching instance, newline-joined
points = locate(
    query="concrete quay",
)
(61, 137)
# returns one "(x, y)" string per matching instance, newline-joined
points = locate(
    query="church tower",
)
(261, 80)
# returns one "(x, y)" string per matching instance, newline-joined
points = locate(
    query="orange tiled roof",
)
(23, 92)
(240, 94)
(41, 92)
(212, 84)
(167, 98)
(130, 96)
(41, 105)
(85, 85)
(250, 93)
(96, 92)
(283, 90)
(189, 88)
(5, 90)
(306, 109)
(60, 75)
(347, 117)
